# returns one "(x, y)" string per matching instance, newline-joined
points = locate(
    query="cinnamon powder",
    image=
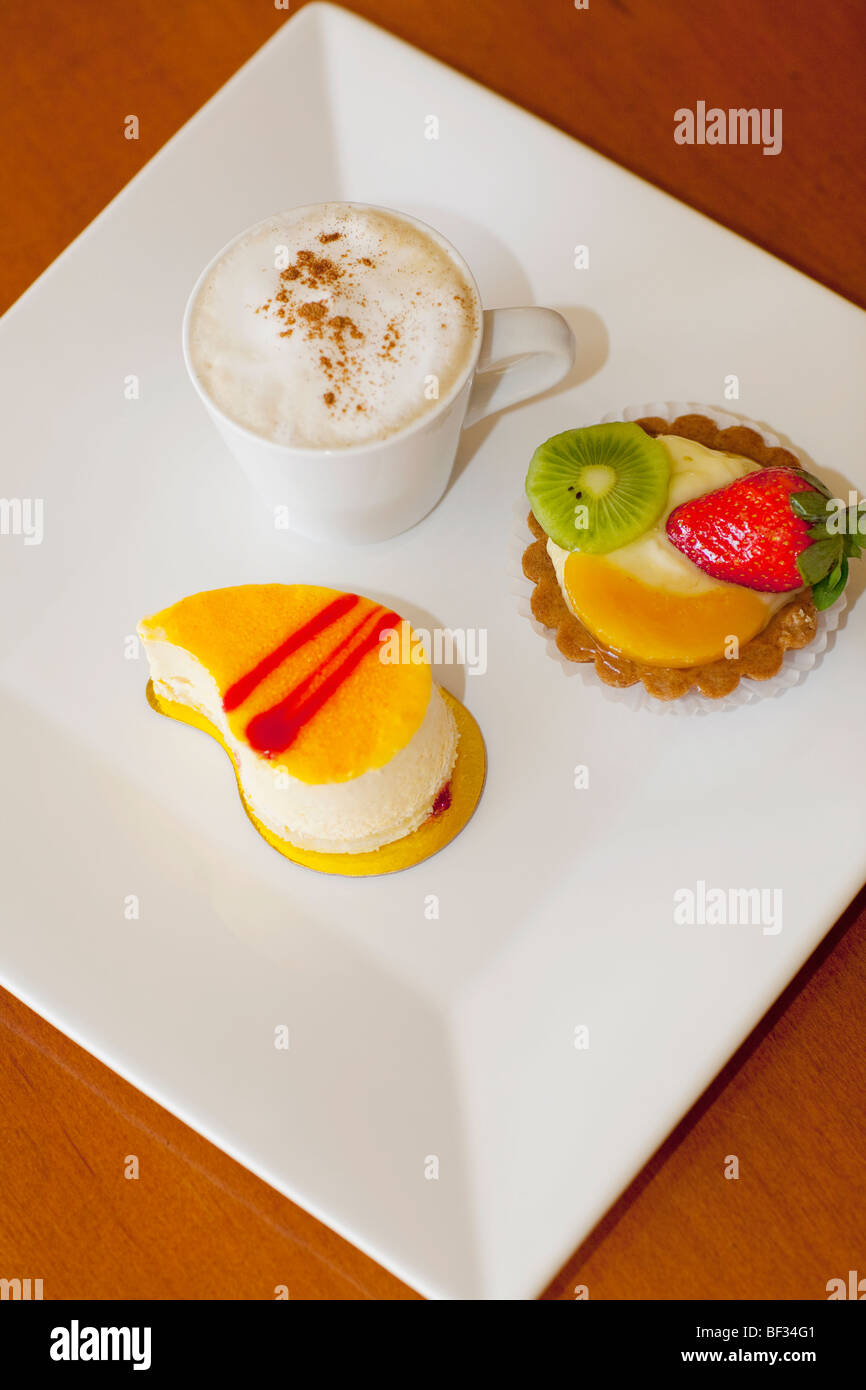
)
(312, 271)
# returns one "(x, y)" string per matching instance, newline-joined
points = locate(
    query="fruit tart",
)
(683, 554)
(349, 758)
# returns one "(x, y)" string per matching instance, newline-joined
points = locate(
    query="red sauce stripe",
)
(275, 730)
(298, 692)
(244, 687)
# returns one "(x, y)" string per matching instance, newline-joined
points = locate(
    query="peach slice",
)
(655, 626)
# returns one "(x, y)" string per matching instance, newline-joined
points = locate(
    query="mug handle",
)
(523, 352)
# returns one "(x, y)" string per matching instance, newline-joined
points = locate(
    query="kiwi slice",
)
(598, 488)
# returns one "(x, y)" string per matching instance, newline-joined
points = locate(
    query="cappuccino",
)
(332, 326)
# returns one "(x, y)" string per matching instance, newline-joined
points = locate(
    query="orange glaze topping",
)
(649, 624)
(300, 674)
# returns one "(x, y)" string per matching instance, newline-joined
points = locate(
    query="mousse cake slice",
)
(343, 753)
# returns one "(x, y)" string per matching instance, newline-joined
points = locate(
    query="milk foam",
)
(332, 326)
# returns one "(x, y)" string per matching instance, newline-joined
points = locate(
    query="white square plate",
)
(409, 1037)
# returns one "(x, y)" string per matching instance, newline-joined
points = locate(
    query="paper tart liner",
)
(467, 782)
(795, 663)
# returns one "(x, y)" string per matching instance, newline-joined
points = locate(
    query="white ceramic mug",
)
(368, 492)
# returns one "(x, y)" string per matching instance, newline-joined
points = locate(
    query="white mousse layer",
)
(334, 817)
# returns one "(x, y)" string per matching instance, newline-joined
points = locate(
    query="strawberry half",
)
(772, 531)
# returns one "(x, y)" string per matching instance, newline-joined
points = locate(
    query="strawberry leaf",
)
(810, 506)
(815, 562)
(816, 483)
(828, 589)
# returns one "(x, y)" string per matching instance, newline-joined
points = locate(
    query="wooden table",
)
(791, 1103)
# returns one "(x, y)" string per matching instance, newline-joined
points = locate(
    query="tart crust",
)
(792, 627)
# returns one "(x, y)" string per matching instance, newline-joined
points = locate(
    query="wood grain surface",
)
(791, 1104)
